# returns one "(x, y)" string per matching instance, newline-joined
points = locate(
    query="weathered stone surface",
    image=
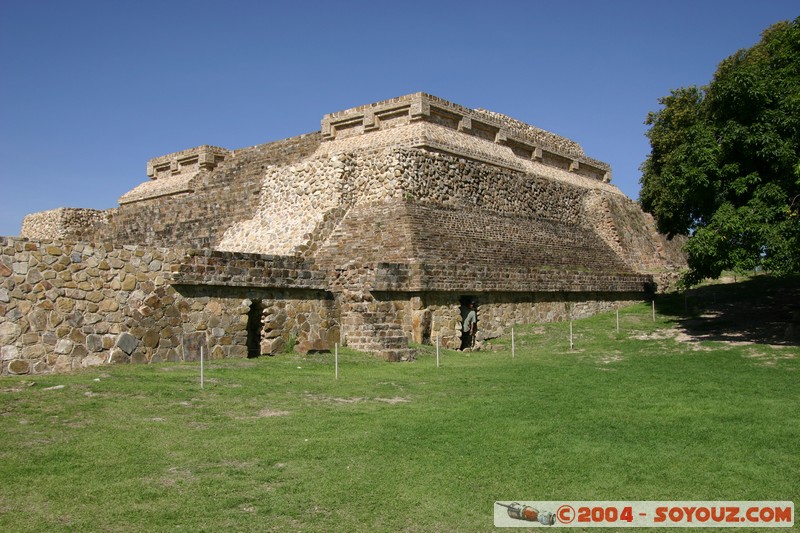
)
(92, 360)
(238, 351)
(151, 338)
(116, 355)
(94, 343)
(316, 345)
(19, 366)
(8, 352)
(34, 276)
(129, 283)
(64, 346)
(9, 332)
(127, 343)
(272, 346)
(192, 344)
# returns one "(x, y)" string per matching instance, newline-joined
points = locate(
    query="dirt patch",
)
(394, 400)
(676, 334)
(333, 399)
(664, 334)
(267, 412)
(357, 399)
(610, 358)
(771, 359)
(175, 475)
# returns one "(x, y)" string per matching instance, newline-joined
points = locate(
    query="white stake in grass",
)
(654, 310)
(571, 345)
(512, 343)
(201, 367)
(336, 358)
(437, 351)
(571, 312)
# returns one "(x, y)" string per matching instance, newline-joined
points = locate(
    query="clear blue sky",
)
(91, 90)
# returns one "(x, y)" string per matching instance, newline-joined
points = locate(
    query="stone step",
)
(399, 354)
(386, 342)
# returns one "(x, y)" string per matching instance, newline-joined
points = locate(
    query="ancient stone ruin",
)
(371, 232)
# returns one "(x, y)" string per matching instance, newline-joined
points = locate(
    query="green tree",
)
(724, 166)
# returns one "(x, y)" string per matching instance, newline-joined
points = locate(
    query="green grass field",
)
(278, 444)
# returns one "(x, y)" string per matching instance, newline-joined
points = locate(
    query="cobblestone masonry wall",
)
(65, 305)
(61, 223)
(294, 199)
(218, 199)
(632, 233)
(406, 231)
(393, 303)
(197, 216)
(497, 312)
(424, 316)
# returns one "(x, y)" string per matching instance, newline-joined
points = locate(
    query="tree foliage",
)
(724, 165)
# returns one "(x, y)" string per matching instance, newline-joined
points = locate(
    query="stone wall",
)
(632, 234)
(351, 200)
(195, 212)
(383, 306)
(421, 317)
(409, 231)
(66, 305)
(294, 199)
(235, 269)
(61, 223)
(498, 312)
(523, 140)
(214, 200)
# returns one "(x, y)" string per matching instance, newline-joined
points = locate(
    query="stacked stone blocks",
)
(67, 305)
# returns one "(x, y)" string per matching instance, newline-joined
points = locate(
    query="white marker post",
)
(437, 351)
(571, 344)
(201, 367)
(571, 310)
(512, 343)
(336, 358)
(654, 310)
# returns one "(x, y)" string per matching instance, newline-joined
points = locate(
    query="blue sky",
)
(91, 90)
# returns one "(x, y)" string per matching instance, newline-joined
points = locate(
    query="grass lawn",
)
(277, 444)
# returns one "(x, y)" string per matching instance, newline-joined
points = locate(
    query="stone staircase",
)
(367, 328)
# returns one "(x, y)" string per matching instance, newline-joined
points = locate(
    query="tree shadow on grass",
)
(761, 310)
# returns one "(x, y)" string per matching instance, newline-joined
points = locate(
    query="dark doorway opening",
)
(254, 328)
